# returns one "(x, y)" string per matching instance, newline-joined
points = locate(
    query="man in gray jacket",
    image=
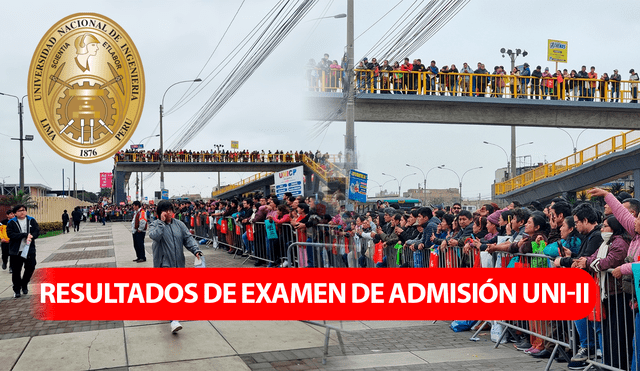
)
(169, 236)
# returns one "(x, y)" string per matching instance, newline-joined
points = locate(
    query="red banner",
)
(312, 294)
(106, 180)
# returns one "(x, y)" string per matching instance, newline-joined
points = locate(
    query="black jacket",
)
(65, 218)
(590, 243)
(16, 235)
(76, 215)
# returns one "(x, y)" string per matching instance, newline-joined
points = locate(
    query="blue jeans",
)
(636, 341)
(592, 93)
(417, 259)
(585, 332)
(310, 251)
(248, 245)
(615, 93)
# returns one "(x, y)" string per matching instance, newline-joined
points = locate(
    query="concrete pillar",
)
(118, 184)
(636, 181)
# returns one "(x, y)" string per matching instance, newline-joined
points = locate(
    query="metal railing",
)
(241, 183)
(479, 85)
(616, 143)
(606, 334)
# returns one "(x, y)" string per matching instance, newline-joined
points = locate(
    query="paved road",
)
(30, 344)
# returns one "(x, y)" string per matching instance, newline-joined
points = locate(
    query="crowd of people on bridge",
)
(184, 155)
(414, 77)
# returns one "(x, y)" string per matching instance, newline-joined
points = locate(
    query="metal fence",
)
(605, 339)
(500, 85)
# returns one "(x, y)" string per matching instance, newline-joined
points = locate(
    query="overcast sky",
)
(175, 40)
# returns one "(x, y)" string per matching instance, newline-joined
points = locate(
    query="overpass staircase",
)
(329, 174)
(602, 162)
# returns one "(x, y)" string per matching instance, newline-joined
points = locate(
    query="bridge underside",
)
(123, 171)
(477, 111)
(603, 170)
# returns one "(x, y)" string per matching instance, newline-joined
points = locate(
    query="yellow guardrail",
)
(616, 143)
(248, 180)
(483, 85)
(323, 171)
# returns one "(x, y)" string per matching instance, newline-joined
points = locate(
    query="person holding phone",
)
(169, 236)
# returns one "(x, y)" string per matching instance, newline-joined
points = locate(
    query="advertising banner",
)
(234, 144)
(290, 180)
(106, 180)
(557, 51)
(357, 186)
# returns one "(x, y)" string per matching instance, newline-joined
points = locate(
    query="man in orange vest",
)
(139, 230)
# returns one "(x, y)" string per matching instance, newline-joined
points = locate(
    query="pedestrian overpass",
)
(313, 172)
(611, 159)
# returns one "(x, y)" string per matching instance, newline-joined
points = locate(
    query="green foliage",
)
(50, 226)
(50, 234)
(616, 188)
(19, 199)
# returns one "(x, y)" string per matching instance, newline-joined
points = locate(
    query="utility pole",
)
(350, 111)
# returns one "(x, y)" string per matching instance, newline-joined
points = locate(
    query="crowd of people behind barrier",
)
(413, 77)
(153, 155)
(298, 232)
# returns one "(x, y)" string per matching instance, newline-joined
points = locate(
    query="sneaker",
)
(581, 356)
(577, 365)
(598, 353)
(258, 263)
(4, 266)
(175, 327)
(523, 345)
(25, 291)
(532, 351)
(16, 294)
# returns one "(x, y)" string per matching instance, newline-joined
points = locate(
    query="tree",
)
(616, 188)
(20, 198)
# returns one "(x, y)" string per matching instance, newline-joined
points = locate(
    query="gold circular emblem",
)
(86, 87)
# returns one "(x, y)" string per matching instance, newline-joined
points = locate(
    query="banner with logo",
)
(290, 180)
(557, 51)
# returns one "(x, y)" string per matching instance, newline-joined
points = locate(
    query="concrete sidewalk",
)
(29, 344)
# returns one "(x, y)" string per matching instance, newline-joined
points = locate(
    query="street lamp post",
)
(513, 57)
(341, 15)
(574, 143)
(161, 137)
(22, 137)
(424, 186)
(399, 182)
(509, 175)
(460, 178)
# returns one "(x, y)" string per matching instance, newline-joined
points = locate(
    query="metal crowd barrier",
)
(607, 333)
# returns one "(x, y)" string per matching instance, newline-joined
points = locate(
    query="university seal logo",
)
(86, 87)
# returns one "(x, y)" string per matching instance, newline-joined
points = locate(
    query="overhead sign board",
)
(557, 51)
(291, 180)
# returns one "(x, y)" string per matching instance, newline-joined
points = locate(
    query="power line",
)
(210, 56)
